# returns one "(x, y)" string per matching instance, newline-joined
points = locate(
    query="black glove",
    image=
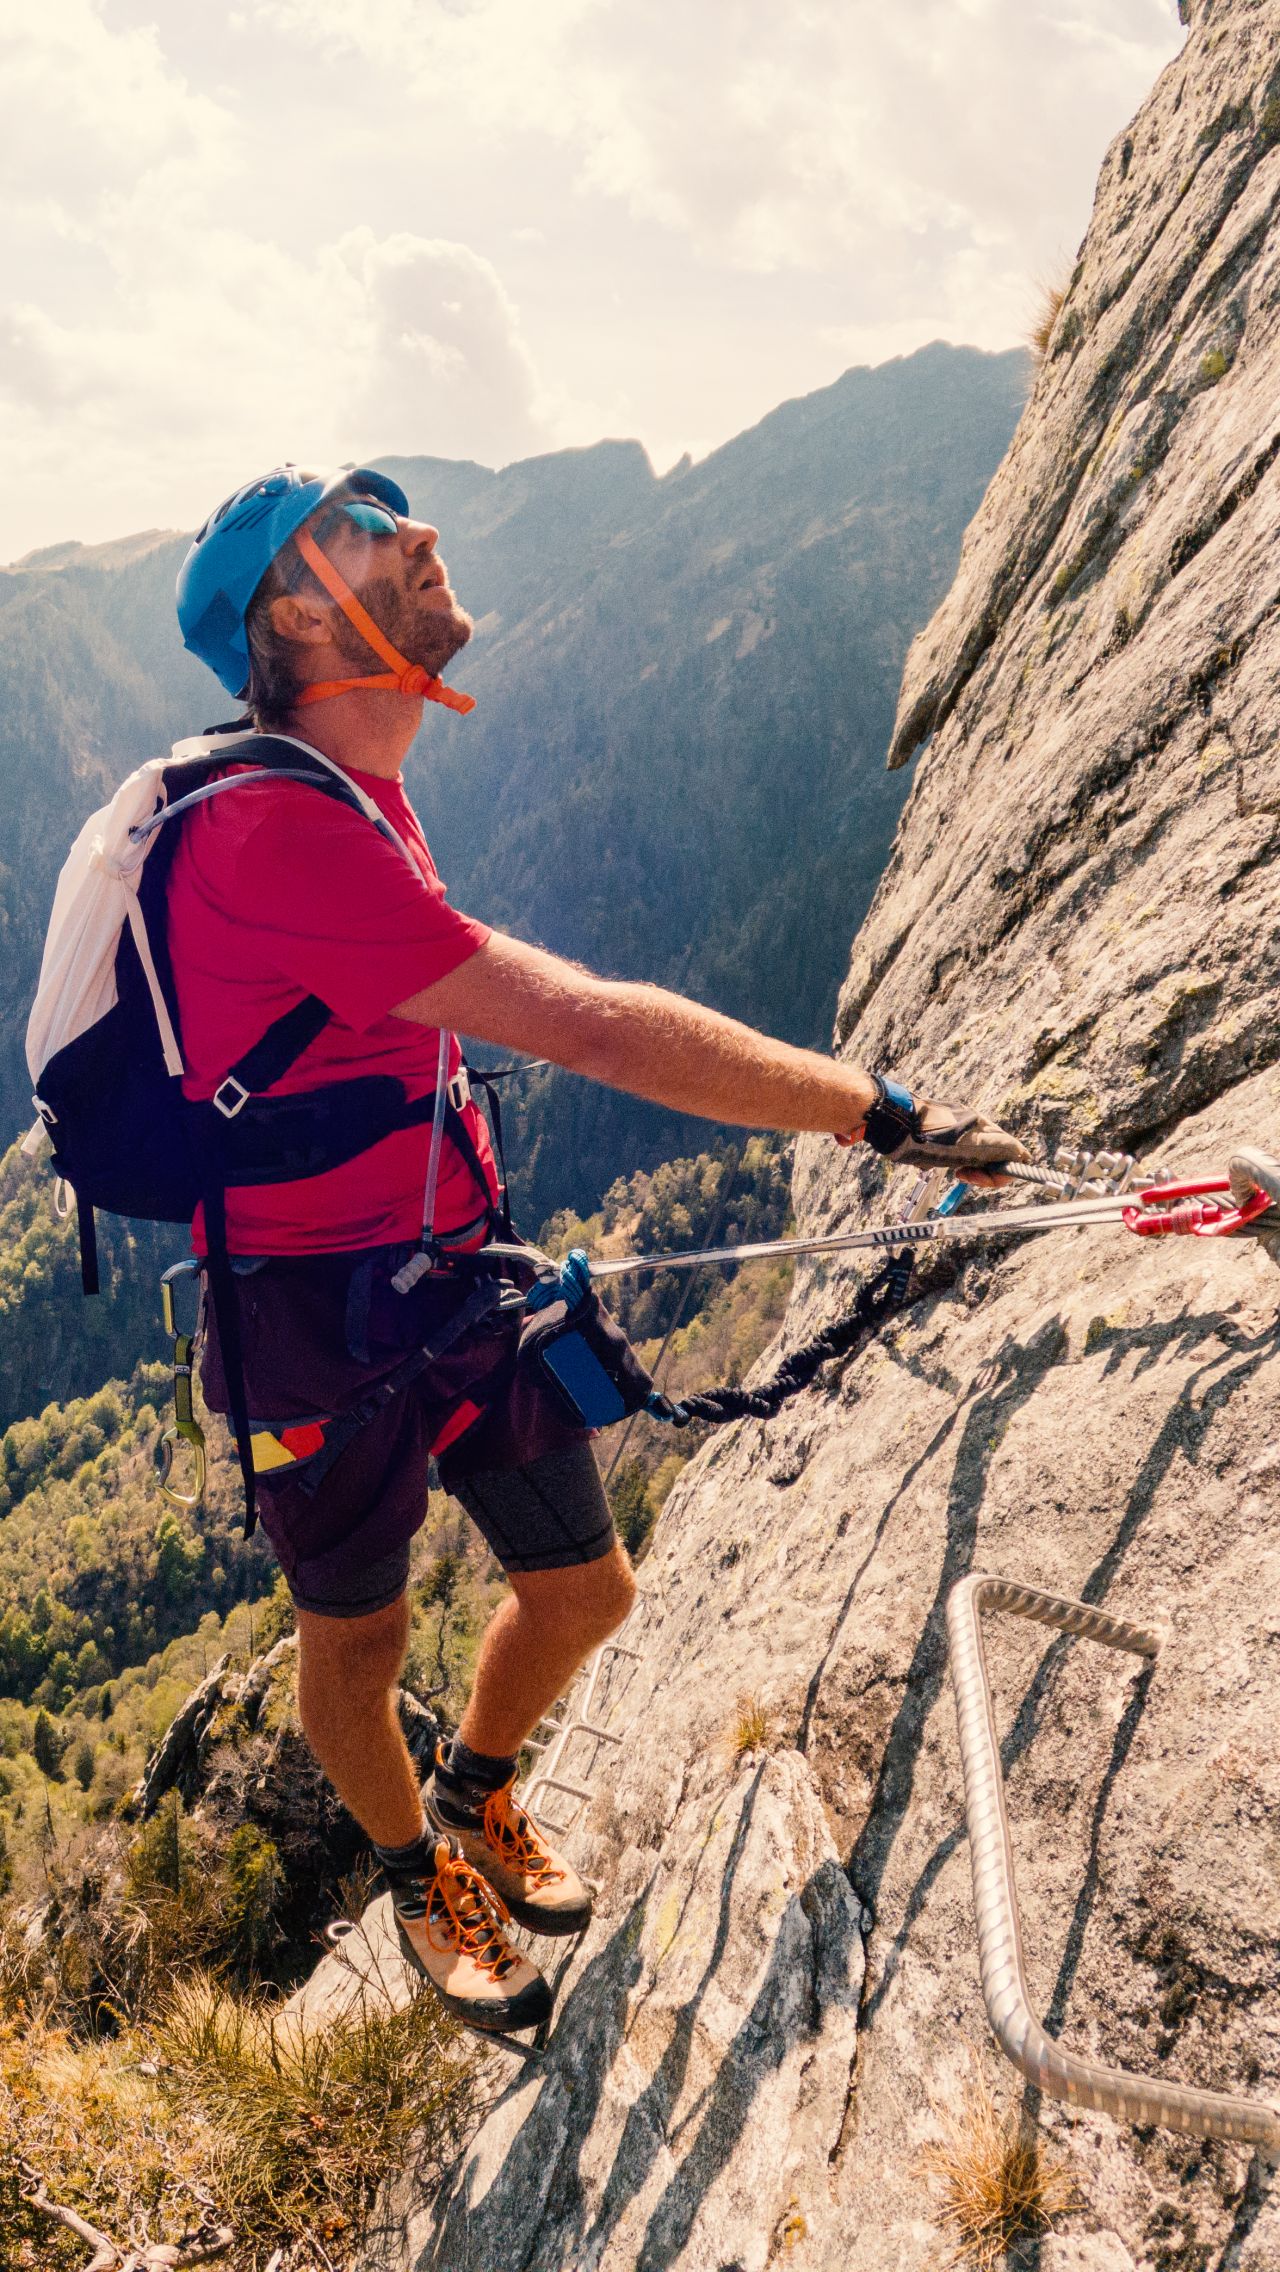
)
(916, 1132)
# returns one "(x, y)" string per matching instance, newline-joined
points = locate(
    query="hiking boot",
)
(450, 1930)
(537, 1887)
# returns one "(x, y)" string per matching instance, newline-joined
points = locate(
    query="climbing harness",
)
(186, 1429)
(1046, 2063)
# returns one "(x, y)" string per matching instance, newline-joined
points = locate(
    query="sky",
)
(328, 230)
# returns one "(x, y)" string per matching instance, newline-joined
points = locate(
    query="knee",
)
(339, 1656)
(611, 1596)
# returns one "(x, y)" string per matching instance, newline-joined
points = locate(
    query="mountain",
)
(685, 685)
(778, 2008)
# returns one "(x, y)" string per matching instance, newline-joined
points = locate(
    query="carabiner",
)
(164, 1457)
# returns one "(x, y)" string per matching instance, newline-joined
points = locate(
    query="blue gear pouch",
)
(581, 1351)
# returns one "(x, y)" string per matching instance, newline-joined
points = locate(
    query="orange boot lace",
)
(471, 1914)
(514, 1835)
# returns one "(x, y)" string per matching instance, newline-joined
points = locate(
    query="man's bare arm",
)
(642, 1039)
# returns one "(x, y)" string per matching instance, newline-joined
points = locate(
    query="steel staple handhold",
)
(1058, 2072)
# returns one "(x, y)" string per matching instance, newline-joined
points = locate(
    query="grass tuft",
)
(307, 2119)
(1050, 299)
(997, 2181)
(751, 1729)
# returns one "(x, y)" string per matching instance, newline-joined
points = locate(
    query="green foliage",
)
(1213, 366)
(254, 1885)
(53, 1343)
(48, 1744)
(96, 1570)
(683, 1203)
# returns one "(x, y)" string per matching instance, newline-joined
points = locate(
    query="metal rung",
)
(562, 1783)
(593, 1728)
(620, 1649)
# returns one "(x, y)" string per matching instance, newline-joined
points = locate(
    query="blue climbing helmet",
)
(233, 551)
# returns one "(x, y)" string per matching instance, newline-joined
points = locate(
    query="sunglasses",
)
(370, 519)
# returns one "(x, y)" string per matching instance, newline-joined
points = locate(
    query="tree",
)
(48, 1743)
(255, 1880)
(178, 1557)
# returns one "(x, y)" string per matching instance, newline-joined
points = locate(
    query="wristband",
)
(893, 1119)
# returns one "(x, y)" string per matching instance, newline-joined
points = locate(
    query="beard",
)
(423, 635)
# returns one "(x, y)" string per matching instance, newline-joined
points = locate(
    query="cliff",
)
(1078, 926)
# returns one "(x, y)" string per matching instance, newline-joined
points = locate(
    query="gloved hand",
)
(571, 1284)
(919, 1132)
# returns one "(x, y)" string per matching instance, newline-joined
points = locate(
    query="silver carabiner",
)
(164, 1457)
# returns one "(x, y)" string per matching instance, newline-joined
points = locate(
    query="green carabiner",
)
(186, 1429)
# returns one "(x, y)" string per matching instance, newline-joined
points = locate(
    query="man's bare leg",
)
(349, 1668)
(348, 1674)
(548, 1625)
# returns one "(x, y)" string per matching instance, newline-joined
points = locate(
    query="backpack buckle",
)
(459, 1089)
(231, 1097)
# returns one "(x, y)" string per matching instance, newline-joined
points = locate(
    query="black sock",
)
(405, 1867)
(464, 1779)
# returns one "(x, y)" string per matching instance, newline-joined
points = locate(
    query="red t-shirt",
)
(278, 892)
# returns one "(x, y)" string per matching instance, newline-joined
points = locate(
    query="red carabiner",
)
(1188, 1219)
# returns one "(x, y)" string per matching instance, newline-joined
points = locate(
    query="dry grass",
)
(306, 2121)
(1050, 295)
(222, 2114)
(997, 2181)
(750, 1729)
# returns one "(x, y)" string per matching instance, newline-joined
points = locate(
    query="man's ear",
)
(305, 621)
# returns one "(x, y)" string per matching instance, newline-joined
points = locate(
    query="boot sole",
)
(530, 2008)
(553, 1924)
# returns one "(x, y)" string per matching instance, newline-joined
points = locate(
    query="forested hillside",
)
(686, 687)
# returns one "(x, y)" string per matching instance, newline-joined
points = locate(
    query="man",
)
(320, 600)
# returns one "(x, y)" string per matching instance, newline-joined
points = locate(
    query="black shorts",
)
(318, 1332)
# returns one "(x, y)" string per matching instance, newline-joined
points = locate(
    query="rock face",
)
(1079, 929)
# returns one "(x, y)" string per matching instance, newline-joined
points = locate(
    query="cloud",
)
(239, 234)
(769, 137)
(191, 350)
(443, 352)
(88, 109)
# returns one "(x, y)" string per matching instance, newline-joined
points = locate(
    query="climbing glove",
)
(918, 1132)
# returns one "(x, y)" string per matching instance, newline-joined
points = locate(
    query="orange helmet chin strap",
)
(402, 677)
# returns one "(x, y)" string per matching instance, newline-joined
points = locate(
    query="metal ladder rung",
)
(593, 1728)
(562, 1783)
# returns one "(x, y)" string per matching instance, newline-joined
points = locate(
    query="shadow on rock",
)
(538, 2179)
(780, 2019)
(1021, 1369)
